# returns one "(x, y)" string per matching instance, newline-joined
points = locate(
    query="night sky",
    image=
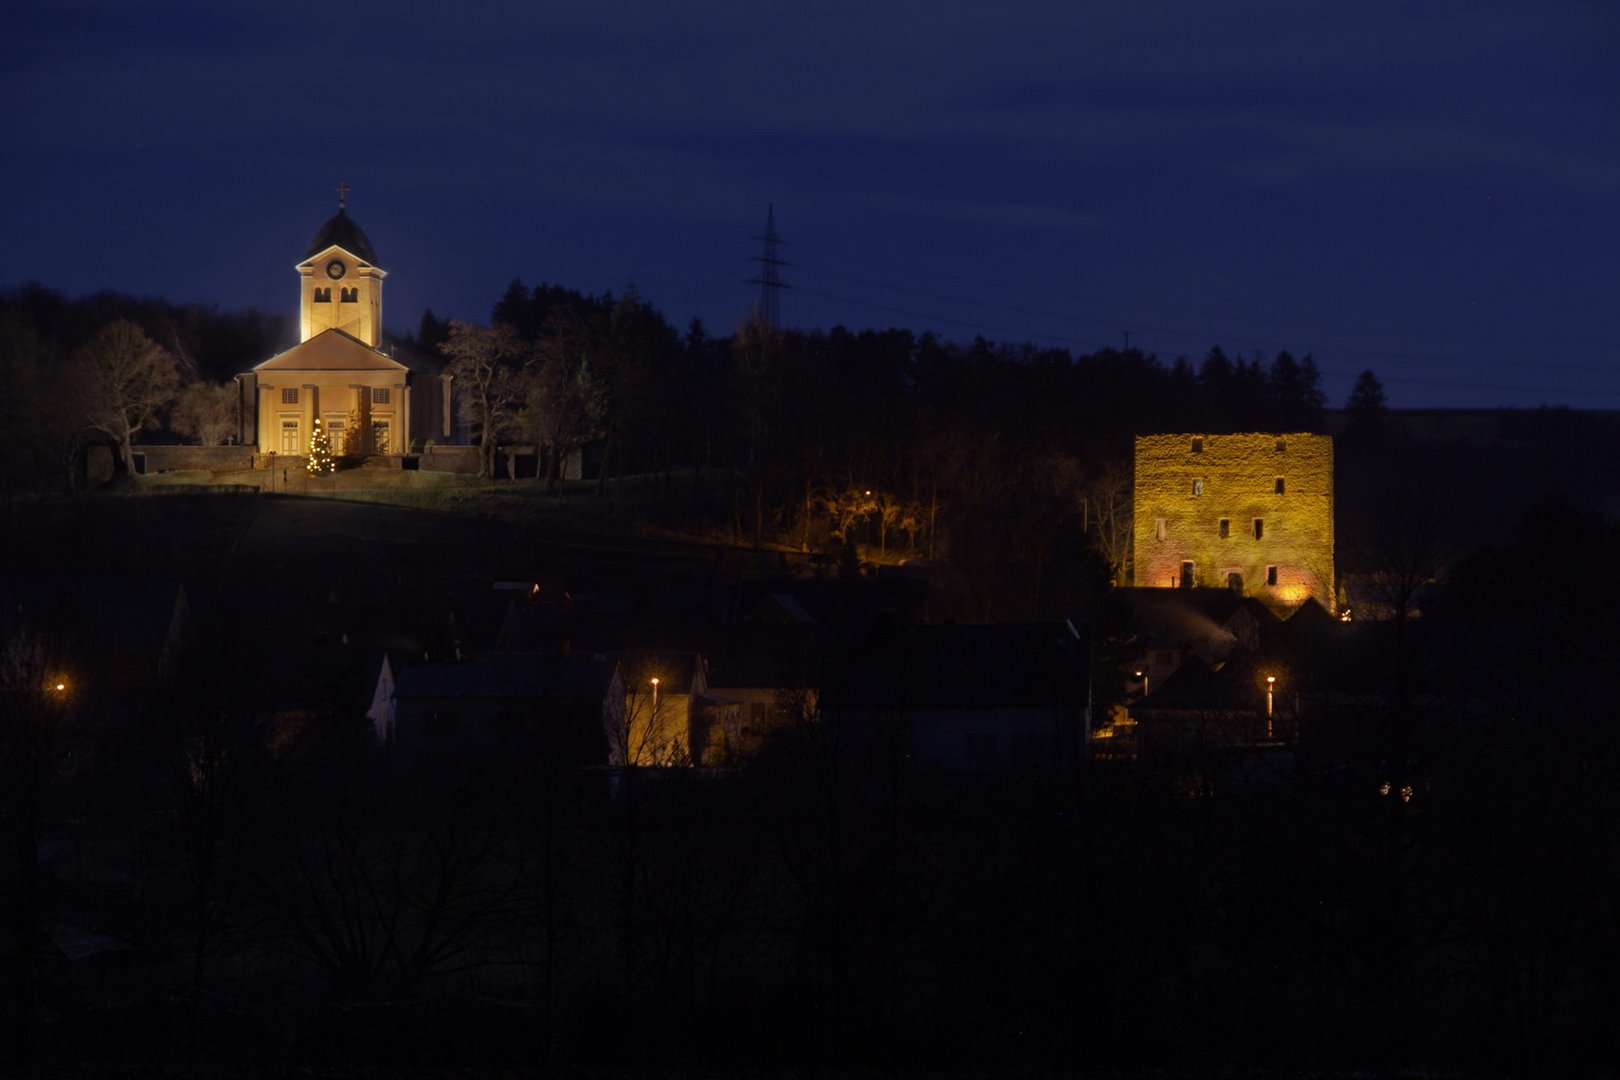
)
(1430, 190)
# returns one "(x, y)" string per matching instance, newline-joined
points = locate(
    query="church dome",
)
(341, 230)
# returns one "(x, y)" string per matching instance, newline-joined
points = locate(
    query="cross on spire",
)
(343, 195)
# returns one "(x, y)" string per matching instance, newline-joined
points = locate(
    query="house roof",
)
(331, 350)
(1005, 665)
(509, 675)
(1195, 686)
(342, 230)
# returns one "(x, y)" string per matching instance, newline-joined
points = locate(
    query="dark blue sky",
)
(1429, 190)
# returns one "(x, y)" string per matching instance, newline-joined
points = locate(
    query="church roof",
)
(340, 229)
(331, 350)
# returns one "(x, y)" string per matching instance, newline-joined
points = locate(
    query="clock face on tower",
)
(335, 269)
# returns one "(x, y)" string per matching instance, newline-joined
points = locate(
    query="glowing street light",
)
(1271, 689)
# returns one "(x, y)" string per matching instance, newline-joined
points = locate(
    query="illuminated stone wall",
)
(1188, 485)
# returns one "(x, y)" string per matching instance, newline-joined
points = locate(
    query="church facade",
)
(371, 397)
(1251, 512)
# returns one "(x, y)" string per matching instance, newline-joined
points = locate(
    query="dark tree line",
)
(997, 459)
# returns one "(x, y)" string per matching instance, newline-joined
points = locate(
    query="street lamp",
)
(1144, 677)
(1271, 689)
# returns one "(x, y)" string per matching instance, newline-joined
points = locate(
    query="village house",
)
(975, 699)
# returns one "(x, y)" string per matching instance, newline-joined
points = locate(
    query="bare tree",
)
(484, 361)
(1109, 518)
(207, 412)
(564, 401)
(121, 380)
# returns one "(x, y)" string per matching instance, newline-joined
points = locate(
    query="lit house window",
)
(1198, 487)
(379, 395)
(289, 396)
(1158, 528)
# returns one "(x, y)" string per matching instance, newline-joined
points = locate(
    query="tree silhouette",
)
(122, 379)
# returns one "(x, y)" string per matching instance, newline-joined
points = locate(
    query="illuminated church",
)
(372, 397)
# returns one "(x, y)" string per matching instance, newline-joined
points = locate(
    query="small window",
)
(1226, 528)
(289, 396)
(1280, 485)
(1271, 575)
(1198, 446)
(1198, 487)
(1187, 575)
(1259, 528)
(1282, 446)
(1158, 528)
(349, 296)
(379, 395)
(323, 296)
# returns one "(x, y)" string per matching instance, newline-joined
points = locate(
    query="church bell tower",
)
(340, 281)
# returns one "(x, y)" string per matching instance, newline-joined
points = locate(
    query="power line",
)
(770, 279)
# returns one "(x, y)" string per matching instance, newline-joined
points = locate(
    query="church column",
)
(446, 388)
(267, 430)
(360, 406)
(404, 389)
(311, 399)
(241, 410)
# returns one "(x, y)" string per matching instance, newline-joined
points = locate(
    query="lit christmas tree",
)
(320, 451)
